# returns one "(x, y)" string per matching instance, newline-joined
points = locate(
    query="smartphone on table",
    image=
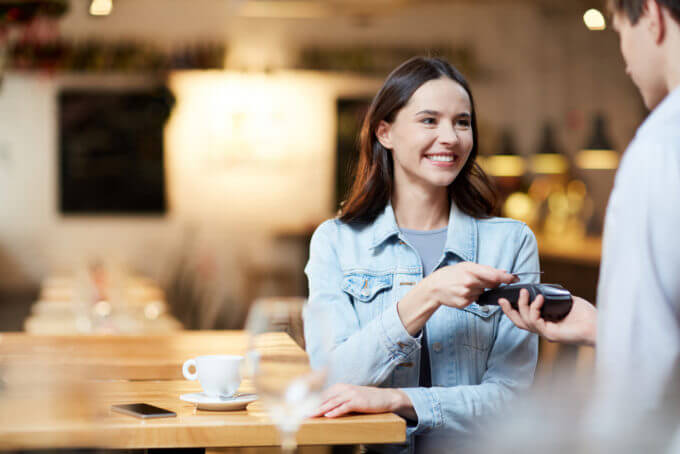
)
(144, 411)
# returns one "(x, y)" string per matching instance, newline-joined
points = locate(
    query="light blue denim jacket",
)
(478, 358)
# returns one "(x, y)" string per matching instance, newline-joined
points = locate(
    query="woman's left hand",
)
(341, 399)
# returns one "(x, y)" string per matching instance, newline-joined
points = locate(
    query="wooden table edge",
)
(343, 431)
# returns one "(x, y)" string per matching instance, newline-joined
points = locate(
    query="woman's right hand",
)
(459, 285)
(455, 286)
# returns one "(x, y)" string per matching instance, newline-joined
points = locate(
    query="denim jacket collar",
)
(461, 236)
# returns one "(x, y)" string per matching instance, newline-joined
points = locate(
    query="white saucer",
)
(206, 402)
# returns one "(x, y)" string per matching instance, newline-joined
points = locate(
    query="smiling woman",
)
(401, 267)
(431, 136)
(421, 95)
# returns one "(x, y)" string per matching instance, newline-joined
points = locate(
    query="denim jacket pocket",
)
(480, 326)
(364, 287)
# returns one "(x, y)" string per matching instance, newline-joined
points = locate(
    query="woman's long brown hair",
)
(371, 190)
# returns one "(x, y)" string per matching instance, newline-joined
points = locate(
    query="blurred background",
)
(163, 163)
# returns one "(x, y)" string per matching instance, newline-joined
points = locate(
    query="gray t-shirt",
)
(430, 245)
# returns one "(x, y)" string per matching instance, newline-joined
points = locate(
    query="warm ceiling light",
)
(548, 160)
(502, 165)
(549, 164)
(598, 154)
(101, 7)
(277, 9)
(507, 162)
(594, 20)
(597, 159)
(520, 206)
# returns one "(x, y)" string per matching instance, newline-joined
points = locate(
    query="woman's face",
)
(431, 136)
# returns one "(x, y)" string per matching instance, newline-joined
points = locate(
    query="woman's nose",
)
(448, 134)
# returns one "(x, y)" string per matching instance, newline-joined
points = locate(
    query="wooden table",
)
(58, 390)
(68, 324)
(139, 307)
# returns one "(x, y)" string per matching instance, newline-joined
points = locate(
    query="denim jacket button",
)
(437, 347)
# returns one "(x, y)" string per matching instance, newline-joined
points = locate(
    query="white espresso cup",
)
(219, 375)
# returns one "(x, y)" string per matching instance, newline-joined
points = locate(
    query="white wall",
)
(33, 237)
(213, 184)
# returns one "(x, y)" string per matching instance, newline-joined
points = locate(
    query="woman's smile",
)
(448, 159)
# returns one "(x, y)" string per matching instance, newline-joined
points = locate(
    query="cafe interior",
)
(164, 164)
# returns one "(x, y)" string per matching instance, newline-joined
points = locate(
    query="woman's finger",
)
(470, 293)
(473, 281)
(316, 413)
(339, 411)
(463, 302)
(473, 297)
(333, 391)
(489, 276)
(328, 406)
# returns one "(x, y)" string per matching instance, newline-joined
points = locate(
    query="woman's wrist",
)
(402, 405)
(417, 307)
(430, 296)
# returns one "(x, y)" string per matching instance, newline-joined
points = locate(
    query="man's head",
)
(649, 31)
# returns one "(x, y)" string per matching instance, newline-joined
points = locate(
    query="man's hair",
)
(634, 8)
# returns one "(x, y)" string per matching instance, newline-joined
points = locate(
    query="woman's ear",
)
(383, 134)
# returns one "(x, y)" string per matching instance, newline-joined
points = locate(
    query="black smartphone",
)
(144, 411)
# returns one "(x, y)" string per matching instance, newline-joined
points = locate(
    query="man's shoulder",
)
(649, 172)
(661, 129)
(657, 142)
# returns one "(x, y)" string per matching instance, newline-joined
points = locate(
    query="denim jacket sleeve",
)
(365, 355)
(510, 369)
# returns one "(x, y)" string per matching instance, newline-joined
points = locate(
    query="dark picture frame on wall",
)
(350, 116)
(111, 150)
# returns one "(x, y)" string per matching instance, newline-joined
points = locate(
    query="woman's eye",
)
(429, 121)
(463, 123)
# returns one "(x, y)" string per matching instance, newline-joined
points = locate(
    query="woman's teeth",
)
(440, 158)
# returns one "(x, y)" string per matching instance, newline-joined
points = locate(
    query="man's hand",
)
(578, 327)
